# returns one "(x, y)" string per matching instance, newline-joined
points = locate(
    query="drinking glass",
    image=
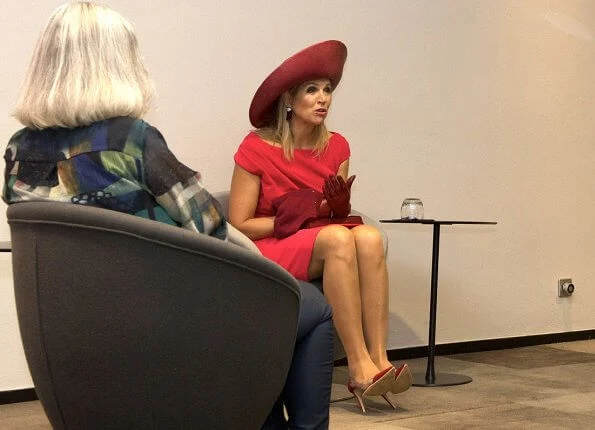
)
(412, 208)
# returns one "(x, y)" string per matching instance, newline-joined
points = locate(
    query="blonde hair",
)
(86, 67)
(279, 130)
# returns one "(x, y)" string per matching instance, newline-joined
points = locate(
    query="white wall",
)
(482, 109)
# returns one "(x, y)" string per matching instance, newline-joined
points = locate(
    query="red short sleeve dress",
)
(278, 176)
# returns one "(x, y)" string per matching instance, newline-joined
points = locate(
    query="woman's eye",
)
(311, 89)
(328, 90)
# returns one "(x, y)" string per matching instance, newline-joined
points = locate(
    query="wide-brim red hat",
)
(319, 61)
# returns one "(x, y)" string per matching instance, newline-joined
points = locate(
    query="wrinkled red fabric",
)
(305, 208)
(294, 209)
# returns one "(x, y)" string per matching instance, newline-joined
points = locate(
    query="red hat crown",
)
(322, 60)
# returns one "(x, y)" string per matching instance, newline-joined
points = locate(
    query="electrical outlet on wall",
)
(565, 287)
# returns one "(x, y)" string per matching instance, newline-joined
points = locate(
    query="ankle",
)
(381, 361)
(364, 372)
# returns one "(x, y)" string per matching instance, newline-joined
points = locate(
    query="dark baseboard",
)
(17, 396)
(29, 394)
(485, 345)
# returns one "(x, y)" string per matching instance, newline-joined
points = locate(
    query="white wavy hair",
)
(86, 67)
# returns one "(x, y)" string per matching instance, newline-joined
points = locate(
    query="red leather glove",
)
(294, 209)
(337, 193)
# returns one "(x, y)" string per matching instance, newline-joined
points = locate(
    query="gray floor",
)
(539, 387)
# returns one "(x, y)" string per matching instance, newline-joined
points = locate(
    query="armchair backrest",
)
(131, 323)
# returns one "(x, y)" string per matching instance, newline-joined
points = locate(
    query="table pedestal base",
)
(440, 380)
(430, 378)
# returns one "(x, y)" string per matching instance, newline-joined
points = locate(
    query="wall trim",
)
(29, 394)
(17, 396)
(485, 345)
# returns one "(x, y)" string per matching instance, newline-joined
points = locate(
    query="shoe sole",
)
(403, 381)
(382, 385)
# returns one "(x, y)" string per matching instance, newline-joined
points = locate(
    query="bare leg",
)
(373, 277)
(334, 256)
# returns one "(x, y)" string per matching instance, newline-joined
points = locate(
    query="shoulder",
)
(15, 143)
(18, 138)
(134, 135)
(252, 153)
(19, 135)
(133, 129)
(339, 145)
(338, 139)
(253, 143)
(36, 145)
(253, 140)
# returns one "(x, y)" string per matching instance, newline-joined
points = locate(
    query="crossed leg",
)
(356, 285)
(373, 281)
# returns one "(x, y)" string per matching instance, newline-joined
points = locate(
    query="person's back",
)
(121, 164)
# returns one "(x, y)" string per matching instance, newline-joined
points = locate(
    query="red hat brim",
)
(322, 60)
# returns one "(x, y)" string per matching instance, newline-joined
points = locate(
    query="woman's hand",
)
(325, 209)
(337, 193)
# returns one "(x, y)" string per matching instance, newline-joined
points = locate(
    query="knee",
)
(368, 238)
(337, 240)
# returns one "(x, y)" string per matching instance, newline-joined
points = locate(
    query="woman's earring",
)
(288, 116)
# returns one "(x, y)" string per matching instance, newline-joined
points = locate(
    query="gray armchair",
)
(131, 323)
(241, 239)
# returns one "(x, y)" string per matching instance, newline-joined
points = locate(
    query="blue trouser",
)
(307, 390)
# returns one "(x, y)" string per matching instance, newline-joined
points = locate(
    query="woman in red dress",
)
(289, 152)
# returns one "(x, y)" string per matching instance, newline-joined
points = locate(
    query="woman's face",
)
(312, 101)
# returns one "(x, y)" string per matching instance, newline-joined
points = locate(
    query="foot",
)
(379, 385)
(364, 373)
(384, 363)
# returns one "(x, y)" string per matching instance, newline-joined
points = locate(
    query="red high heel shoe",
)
(379, 385)
(403, 379)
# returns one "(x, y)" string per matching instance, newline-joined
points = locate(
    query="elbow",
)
(238, 222)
